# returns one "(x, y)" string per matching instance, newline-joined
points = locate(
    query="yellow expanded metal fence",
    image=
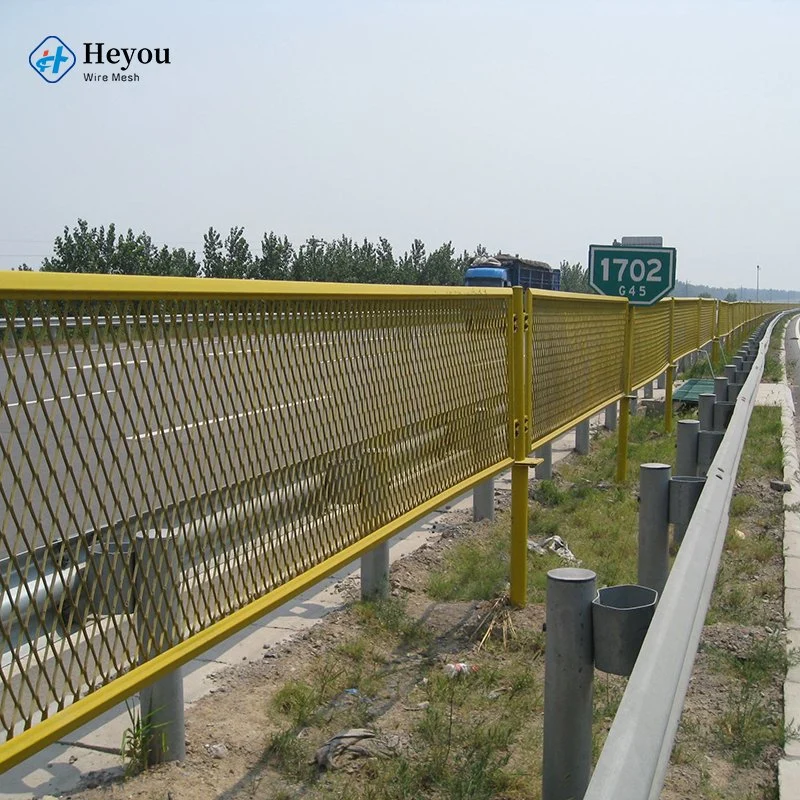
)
(180, 456)
(686, 327)
(651, 342)
(569, 336)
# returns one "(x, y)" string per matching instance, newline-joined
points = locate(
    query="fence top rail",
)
(552, 295)
(84, 286)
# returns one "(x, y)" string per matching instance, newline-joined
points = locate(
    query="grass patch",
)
(467, 737)
(477, 570)
(773, 368)
(763, 454)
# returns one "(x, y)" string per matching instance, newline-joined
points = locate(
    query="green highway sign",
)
(642, 274)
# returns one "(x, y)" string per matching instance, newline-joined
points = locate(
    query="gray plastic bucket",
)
(620, 618)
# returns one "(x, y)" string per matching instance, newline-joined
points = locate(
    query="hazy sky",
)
(533, 127)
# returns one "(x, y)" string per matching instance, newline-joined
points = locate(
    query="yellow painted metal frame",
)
(89, 286)
(520, 371)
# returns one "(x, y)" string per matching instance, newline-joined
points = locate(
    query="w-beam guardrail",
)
(163, 486)
(635, 758)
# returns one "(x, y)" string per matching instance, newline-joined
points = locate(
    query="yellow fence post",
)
(715, 333)
(518, 593)
(624, 403)
(670, 370)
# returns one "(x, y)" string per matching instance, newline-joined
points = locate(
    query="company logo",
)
(52, 59)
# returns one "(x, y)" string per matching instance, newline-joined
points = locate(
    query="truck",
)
(508, 270)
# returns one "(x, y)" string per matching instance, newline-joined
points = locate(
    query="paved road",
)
(793, 365)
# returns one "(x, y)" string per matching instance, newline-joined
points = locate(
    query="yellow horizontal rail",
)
(87, 286)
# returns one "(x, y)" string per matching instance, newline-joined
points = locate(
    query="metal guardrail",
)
(634, 760)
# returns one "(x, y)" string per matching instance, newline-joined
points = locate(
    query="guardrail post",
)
(568, 684)
(686, 454)
(544, 471)
(705, 415)
(684, 492)
(375, 573)
(159, 626)
(582, 438)
(610, 422)
(708, 442)
(653, 562)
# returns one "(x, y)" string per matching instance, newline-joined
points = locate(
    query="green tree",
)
(237, 260)
(574, 278)
(309, 263)
(730, 297)
(213, 262)
(277, 255)
(440, 267)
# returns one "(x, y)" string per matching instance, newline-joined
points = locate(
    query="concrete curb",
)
(789, 766)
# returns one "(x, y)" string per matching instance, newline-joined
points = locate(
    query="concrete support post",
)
(721, 389)
(610, 423)
(544, 471)
(648, 390)
(633, 404)
(568, 682)
(706, 411)
(483, 501)
(582, 438)
(662, 381)
(686, 455)
(653, 564)
(730, 374)
(159, 626)
(375, 573)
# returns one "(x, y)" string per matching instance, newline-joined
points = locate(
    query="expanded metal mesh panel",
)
(164, 463)
(686, 326)
(650, 342)
(725, 319)
(708, 314)
(577, 347)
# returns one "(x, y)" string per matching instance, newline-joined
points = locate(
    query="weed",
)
(137, 740)
(762, 660)
(474, 571)
(390, 617)
(743, 504)
(288, 754)
(547, 493)
(298, 700)
(745, 728)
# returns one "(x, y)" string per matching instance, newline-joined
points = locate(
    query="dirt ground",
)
(229, 730)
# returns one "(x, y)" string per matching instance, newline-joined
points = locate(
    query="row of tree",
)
(103, 250)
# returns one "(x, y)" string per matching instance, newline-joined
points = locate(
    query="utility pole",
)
(758, 275)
